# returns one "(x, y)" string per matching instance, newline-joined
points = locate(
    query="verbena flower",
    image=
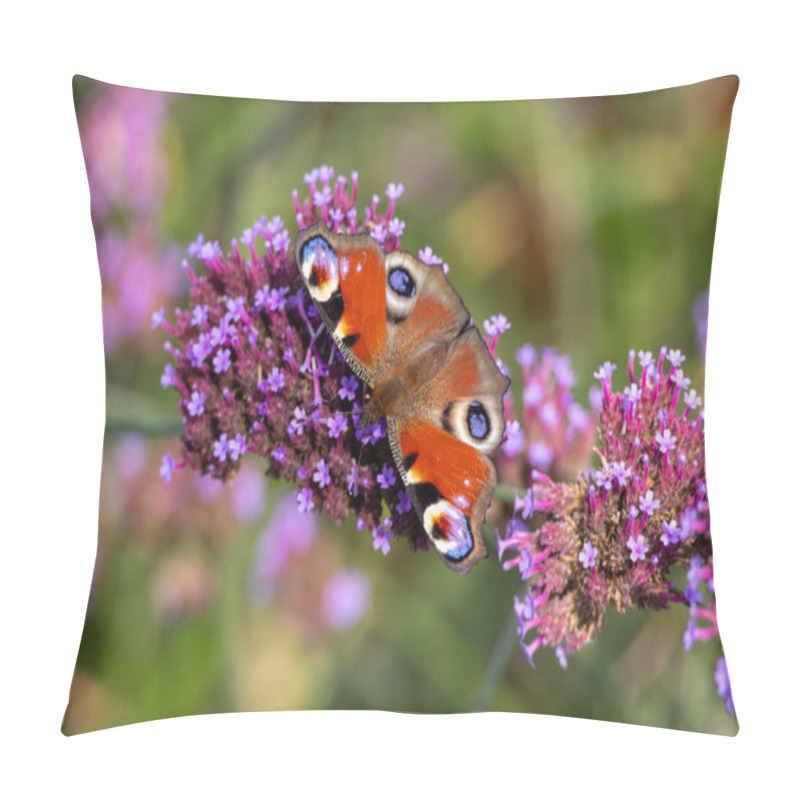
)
(554, 433)
(294, 566)
(256, 370)
(122, 133)
(613, 536)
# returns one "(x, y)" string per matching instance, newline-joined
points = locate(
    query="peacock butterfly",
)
(405, 332)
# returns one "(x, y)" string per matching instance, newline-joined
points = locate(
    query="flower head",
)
(612, 537)
(256, 371)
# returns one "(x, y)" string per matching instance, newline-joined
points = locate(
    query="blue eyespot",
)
(401, 282)
(478, 421)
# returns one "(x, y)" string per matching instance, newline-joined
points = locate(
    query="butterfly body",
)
(405, 332)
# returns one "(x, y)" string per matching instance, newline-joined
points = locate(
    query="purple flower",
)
(195, 404)
(158, 318)
(403, 502)
(305, 500)
(322, 475)
(427, 256)
(540, 455)
(337, 425)
(275, 380)
(632, 393)
(386, 478)
(723, 684)
(394, 191)
(221, 447)
(648, 504)
(525, 504)
(666, 441)
(692, 399)
(676, 358)
(638, 547)
(496, 324)
(168, 376)
(381, 537)
(514, 442)
(345, 599)
(679, 380)
(670, 535)
(222, 360)
(566, 533)
(237, 446)
(588, 556)
(349, 387)
(526, 355)
(605, 371)
(167, 466)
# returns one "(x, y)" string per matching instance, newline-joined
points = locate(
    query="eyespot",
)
(477, 421)
(401, 282)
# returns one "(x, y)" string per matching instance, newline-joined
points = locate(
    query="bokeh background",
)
(589, 223)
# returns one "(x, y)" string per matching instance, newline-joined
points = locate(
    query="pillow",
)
(389, 435)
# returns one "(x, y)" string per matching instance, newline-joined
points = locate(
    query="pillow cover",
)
(391, 438)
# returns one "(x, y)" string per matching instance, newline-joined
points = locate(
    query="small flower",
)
(403, 502)
(237, 446)
(632, 393)
(692, 399)
(305, 500)
(638, 547)
(222, 360)
(723, 684)
(386, 478)
(168, 376)
(195, 404)
(496, 324)
(322, 475)
(167, 467)
(588, 556)
(394, 191)
(381, 538)
(666, 441)
(345, 599)
(605, 371)
(349, 387)
(648, 504)
(676, 358)
(337, 425)
(221, 447)
(670, 534)
(275, 380)
(427, 256)
(158, 318)
(679, 380)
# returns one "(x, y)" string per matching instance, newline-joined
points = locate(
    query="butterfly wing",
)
(346, 278)
(442, 449)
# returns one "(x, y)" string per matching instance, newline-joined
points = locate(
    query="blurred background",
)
(588, 222)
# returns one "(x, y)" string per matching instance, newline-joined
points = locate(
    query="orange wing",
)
(346, 278)
(451, 485)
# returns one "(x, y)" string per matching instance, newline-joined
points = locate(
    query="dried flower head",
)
(613, 536)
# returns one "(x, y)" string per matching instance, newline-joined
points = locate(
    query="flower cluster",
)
(613, 536)
(256, 370)
(122, 132)
(294, 565)
(182, 570)
(554, 434)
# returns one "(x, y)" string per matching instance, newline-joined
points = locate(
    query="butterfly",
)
(404, 331)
